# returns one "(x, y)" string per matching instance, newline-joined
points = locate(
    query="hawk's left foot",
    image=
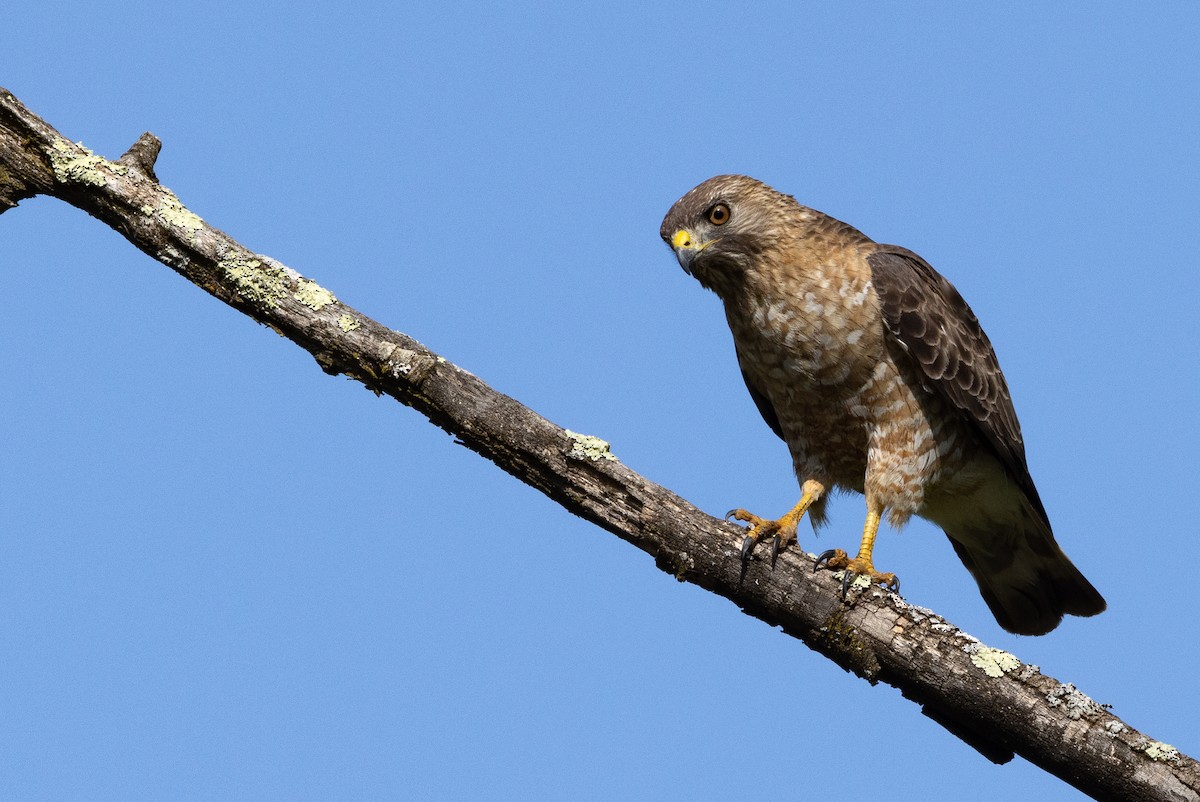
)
(838, 560)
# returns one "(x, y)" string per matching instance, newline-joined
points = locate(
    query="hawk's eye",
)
(718, 215)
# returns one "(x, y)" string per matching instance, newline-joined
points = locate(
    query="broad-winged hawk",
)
(877, 375)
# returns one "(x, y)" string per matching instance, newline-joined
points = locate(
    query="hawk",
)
(877, 375)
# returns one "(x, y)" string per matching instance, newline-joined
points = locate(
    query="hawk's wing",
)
(765, 408)
(933, 323)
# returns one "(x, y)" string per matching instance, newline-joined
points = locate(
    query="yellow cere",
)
(681, 239)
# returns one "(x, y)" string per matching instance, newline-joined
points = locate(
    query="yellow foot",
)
(781, 532)
(836, 559)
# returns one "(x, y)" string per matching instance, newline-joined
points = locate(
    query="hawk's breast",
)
(851, 414)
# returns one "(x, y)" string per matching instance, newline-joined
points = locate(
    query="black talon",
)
(824, 557)
(776, 542)
(747, 545)
(729, 514)
(847, 578)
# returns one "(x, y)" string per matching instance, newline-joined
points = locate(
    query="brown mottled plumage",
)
(877, 375)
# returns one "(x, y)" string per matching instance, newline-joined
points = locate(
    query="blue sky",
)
(225, 574)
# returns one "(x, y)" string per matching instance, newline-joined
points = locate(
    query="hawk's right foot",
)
(781, 532)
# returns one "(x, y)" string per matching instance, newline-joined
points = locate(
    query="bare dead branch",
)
(985, 696)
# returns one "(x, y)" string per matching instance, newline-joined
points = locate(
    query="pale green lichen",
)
(1029, 671)
(994, 662)
(1114, 728)
(861, 582)
(257, 281)
(348, 324)
(172, 212)
(313, 295)
(1075, 703)
(1157, 750)
(73, 163)
(589, 448)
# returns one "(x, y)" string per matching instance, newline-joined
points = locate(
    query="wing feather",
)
(937, 328)
(765, 408)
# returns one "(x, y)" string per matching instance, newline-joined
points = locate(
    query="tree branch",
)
(985, 696)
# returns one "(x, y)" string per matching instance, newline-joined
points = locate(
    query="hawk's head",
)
(720, 229)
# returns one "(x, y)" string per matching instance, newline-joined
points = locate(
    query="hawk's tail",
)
(1023, 575)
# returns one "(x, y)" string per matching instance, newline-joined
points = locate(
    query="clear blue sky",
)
(227, 575)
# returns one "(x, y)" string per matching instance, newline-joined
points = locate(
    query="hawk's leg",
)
(861, 565)
(782, 531)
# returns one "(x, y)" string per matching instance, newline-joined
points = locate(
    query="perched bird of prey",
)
(877, 375)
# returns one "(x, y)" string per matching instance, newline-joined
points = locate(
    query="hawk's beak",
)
(686, 248)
